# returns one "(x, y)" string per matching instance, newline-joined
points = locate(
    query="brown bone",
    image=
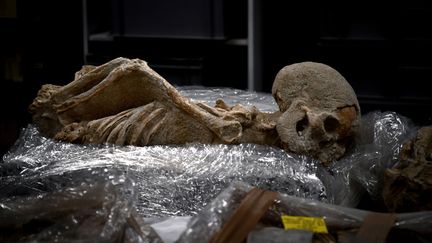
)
(125, 102)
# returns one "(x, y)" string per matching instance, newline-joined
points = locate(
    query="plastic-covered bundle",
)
(88, 204)
(170, 180)
(408, 184)
(379, 141)
(341, 222)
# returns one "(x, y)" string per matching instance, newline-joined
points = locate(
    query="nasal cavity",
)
(301, 125)
(331, 124)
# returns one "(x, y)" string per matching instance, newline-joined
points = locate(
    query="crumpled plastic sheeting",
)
(376, 149)
(42, 199)
(92, 213)
(263, 101)
(203, 227)
(170, 180)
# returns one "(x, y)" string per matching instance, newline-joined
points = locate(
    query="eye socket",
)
(331, 124)
(301, 125)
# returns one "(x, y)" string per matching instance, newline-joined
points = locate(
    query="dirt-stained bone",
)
(125, 102)
(408, 185)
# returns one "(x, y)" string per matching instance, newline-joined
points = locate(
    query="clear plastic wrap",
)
(170, 180)
(376, 149)
(71, 206)
(263, 101)
(203, 227)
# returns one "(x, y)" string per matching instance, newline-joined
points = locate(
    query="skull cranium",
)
(320, 111)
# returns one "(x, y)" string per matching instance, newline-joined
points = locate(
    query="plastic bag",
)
(79, 206)
(361, 170)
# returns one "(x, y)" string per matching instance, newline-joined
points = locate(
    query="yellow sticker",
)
(316, 225)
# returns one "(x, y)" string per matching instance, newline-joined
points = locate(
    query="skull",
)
(320, 111)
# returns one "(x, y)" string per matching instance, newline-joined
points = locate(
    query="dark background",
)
(383, 48)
